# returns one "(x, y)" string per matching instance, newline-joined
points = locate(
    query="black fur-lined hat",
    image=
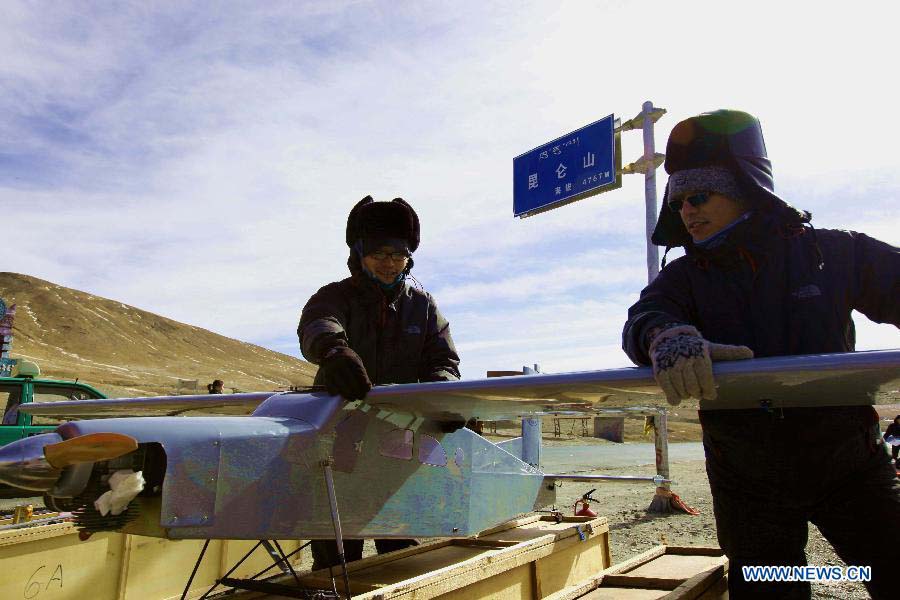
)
(705, 145)
(370, 221)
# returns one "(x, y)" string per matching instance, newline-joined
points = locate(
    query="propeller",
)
(91, 447)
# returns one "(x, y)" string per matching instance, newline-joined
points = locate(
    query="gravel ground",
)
(633, 530)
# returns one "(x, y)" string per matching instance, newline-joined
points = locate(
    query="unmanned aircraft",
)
(398, 464)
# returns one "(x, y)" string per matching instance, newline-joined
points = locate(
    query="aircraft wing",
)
(155, 406)
(871, 377)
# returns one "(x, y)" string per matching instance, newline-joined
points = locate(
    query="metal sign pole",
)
(661, 445)
(532, 428)
(647, 164)
(650, 190)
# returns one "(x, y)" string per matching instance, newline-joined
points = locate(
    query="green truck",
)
(23, 386)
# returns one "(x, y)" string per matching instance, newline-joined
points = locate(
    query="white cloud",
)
(200, 162)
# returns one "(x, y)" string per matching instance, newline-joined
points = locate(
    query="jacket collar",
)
(750, 240)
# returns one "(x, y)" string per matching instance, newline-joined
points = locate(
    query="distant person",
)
(893, 431)
(758, 280)
(373, 327)
(216, 387)
(11, 410)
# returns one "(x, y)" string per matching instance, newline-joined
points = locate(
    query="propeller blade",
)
(92, 447)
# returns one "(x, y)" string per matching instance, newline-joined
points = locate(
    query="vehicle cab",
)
(25, 385)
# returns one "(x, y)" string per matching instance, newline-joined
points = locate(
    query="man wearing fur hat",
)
(758, 280)
(373, 327)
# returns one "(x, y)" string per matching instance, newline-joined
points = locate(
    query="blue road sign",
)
(574, 166)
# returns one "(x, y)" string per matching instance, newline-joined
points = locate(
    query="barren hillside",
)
(124, 351)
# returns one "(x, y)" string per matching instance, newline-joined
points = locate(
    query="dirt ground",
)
(633, 530)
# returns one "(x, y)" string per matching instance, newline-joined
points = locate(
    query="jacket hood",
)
(725, 138)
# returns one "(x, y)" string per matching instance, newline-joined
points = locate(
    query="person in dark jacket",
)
(893, 431)
(374, 328)
(758, 280)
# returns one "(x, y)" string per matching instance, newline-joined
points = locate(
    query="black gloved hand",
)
(344, 374)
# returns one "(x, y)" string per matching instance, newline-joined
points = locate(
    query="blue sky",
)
(198, 160)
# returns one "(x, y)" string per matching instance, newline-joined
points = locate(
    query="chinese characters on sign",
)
(556, 150)
(572, 167)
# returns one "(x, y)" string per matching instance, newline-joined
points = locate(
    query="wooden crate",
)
(669, 572)
(49, 562)
(528, 558)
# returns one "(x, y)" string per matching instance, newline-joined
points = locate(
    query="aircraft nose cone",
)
(23, 464)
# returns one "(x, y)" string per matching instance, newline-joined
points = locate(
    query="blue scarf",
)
(718, 238)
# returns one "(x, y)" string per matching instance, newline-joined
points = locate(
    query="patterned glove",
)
(682, 362)
(344, 374)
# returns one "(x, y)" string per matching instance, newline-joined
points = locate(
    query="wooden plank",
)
(695, 550)
(676, 566)
(477, 543)
(114, 565)
(545, 525)
(518, 522)
(698, 585)
(718, 590)
(575, 591)
(570, 565)
(123, 567)
(590, 553)
(159, 568)
(536, 581)
(617, 593)
(656, 583)
(380, 559)
(59, 566)
(497, 566)
(485, 566)
(621, 580)
(515, 584)
(584, 587)
(460, 565)
(608, 552)
(406, 569)
(635, 561)
(30, 534)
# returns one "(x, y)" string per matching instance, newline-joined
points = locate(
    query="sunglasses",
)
(694, 200)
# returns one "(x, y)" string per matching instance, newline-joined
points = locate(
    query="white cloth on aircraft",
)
(124, 485)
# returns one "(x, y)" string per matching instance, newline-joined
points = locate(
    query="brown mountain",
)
(124, 351)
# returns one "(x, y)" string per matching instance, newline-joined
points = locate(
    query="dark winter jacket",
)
(892, 430)
(400, 336)
(763, 288)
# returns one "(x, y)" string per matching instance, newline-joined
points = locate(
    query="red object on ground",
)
(585, 510)
(666, 501)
